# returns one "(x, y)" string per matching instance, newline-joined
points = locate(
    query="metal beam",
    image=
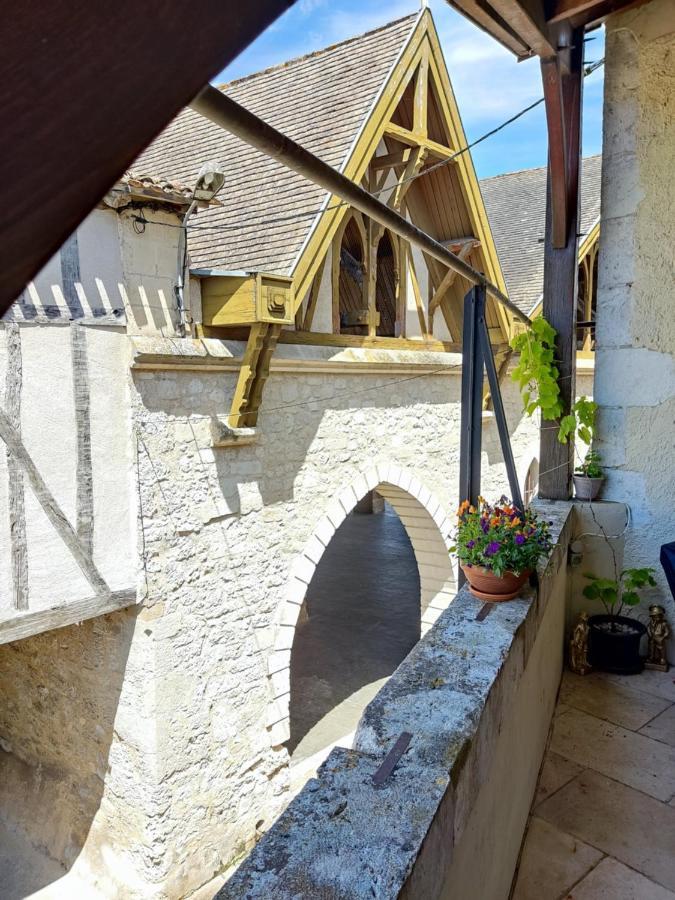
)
(225, 112)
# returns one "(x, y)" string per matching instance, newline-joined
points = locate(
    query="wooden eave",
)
(589, 241)
(423, 40)
(533, 27)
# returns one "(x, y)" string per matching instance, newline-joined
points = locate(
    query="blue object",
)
(668, 563)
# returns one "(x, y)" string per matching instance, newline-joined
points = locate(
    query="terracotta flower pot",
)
(586, 488)
(485, 585)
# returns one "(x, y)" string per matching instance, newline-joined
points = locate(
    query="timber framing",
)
(428, 131)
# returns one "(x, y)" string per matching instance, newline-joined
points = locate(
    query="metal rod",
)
(225, 112)
(472, 397)
(500, 415)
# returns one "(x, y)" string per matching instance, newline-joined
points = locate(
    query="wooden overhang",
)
(84, 88)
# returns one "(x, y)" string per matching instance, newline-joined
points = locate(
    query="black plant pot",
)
(614, 644)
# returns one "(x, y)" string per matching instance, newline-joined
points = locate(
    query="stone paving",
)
(602, 824)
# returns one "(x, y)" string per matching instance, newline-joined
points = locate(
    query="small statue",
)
(658, 632)
(579, 647)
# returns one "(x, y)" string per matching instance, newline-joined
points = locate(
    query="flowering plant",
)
(500, 537)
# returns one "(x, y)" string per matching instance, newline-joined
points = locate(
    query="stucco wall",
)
(635, 382)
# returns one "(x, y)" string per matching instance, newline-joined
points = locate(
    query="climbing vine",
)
(537, 376)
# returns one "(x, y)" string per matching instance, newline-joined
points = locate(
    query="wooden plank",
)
(528, 22)
(313, 297)
(17, 626)
(316, 339)
(418, 297)
(560, 285)
(389, 160)
(557, 150)
(404, 183)
(421, 92)
(51, 508)
(240, 398)
(486, 19)
(106, 70)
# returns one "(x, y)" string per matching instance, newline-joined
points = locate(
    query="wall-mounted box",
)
(242, 298)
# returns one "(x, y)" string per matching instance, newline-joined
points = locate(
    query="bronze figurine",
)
(579, 647)
(658, 632)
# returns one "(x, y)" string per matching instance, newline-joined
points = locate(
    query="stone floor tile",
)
(552, 861)
(634, 759)
(660, 684)
(622, 822)
(611, 880)
(555, 772)
(618, 703)
(662, 728)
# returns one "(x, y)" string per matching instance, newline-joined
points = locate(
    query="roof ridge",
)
(533, 169)
(282, 65)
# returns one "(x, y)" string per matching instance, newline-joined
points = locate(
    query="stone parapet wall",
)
(477, 696)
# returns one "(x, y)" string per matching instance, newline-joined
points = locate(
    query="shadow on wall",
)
(303, 413)
(60, 692)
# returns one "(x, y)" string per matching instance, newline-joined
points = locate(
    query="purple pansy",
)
(520, 539)
(492, 548)
(484, 525)
(470, 544)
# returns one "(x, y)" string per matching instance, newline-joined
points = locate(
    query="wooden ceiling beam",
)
(528, 22)
(487, 20)
(83, 89)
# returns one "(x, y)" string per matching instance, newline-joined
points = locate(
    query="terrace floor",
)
(602, 823)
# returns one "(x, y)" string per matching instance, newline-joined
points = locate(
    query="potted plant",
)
(614, 640)
(588, 477)
(498, 547)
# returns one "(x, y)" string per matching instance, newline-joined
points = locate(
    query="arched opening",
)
(357, 600)
(352, 304)
(386, 288)
(360, 618)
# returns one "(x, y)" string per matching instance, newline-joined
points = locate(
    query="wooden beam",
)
(418, 296)
(262, 339)
(389, 160)
(421, 93)
(317, 339)
(313, 297)
(487, 20)
(557, 149)
(528, 22)
(405, 136)
(405, 182)
(51, 508)
(102, 71)
(17, 626)
(560, 282)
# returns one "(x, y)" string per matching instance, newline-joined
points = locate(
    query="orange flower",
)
(472, 509)
(515, 522)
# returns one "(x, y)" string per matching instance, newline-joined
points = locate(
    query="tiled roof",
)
(516, 208)
(322, 101)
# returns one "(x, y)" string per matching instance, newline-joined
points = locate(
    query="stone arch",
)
(428, 527)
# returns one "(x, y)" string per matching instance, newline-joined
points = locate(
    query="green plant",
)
(500, 537)
(590, 467)
(614, 595)
(536, 372)
(537, 376)
(580, 421)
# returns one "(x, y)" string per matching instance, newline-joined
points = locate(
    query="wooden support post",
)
(560, 278)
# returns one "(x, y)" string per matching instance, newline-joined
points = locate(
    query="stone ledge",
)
(343, 837)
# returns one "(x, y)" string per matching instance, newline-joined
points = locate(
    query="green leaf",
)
(630, 598)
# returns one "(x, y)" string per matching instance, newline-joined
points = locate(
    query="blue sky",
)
(489, 84)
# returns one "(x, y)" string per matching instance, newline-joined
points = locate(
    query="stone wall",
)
(635, 384)
(476, 695)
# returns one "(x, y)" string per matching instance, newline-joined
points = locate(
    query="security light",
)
(210, 180)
